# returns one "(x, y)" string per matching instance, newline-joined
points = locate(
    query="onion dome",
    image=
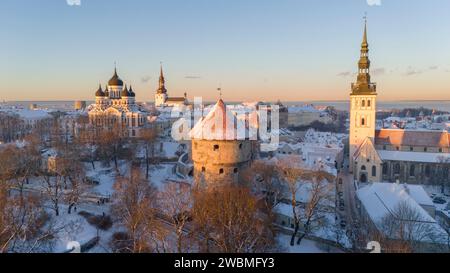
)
(99, 92)
(131, 92)
(106, 91)
(125, 92)
(115, 80)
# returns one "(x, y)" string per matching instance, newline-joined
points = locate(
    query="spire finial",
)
(365, 29)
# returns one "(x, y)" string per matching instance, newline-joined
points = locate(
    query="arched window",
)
(363, 168)
(412, 170)
(216, 147)
(374, 171)
(363, 121)
(363, 104)
(221, 171)
(368, 103)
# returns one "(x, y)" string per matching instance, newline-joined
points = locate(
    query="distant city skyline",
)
(292, 50)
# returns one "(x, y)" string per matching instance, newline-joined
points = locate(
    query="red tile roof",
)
(399, 137)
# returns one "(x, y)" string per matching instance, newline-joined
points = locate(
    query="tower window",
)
(363, 121)
(368, 103)
(221, 171)
(235, 170)
(363, 104)
(216, 147)
(203, 169)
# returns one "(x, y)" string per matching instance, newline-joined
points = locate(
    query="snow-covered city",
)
(126, 167)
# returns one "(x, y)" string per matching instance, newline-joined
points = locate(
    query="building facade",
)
(116, 106)
(411, 156)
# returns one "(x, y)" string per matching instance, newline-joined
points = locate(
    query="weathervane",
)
(220, 91)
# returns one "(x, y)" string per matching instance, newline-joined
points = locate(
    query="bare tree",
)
(295, 180)
(110, 143)
(409, 228)
(176, 202)
(229, 218)
(135, 208)
(148, 137)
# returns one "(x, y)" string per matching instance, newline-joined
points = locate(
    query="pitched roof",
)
(219, 124)
(399, 137)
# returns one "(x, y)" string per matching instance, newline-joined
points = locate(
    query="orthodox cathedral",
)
(408, 156)
(116, 103)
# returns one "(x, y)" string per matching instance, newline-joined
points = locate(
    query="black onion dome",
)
(132, 94)
(100, 92)
(115, 80)
(124, 92)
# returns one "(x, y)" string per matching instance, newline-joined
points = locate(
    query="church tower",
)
(362, 102)
(161, 93)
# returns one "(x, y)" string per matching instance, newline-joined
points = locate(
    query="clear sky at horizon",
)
(291, 50)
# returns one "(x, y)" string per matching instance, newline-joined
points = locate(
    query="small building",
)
(386, 205)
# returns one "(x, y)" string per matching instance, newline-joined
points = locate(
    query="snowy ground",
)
(306, 246)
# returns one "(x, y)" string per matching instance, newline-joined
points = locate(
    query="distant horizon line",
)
(399, 100)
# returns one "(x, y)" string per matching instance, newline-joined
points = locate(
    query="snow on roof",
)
(382, 199)
(28, 114)
(419, 194)
(414, 156)
(219, 124)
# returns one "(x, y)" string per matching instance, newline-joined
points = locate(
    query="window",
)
(411, 149)
(363, 121)
(374, 171)
(221, 171)
(384, 147)
(216, 147)
(425, 149)
(427, 171)
(440, 150)
(397, 148)
(203, 169)
(240, 146)
(363, 168)
(368, 103)
(412, 170)
(385, 168)
(397, 168)
(235, 170)
(363, 104)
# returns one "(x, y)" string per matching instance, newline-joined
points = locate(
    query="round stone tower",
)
(219, 156)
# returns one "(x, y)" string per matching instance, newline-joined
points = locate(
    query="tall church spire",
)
(162, 82)
(363, 84)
